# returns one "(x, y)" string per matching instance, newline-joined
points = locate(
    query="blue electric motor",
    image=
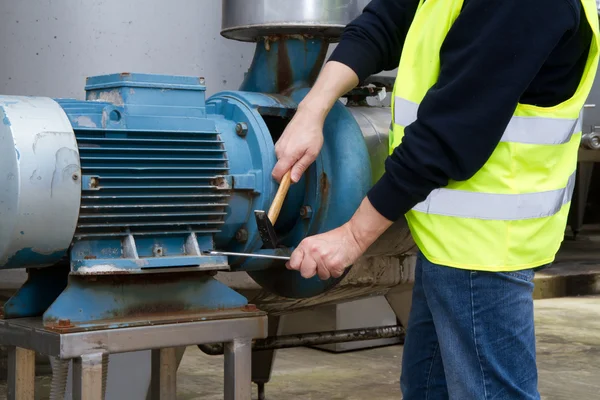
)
(111, 202)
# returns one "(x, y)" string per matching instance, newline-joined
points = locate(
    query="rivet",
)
(75, 177)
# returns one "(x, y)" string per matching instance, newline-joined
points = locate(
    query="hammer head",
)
(266, 230)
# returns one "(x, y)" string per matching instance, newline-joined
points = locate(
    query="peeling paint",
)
(111, 96)
(85, 122)
(29, 257)
(98, 269)
(5, 119)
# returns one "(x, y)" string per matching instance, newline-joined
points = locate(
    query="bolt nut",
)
(241, 128)
(250, 308)
(94, 183)
(306, 212)
(75, 177)
(64, 323)
(158, 251)
(241, 236)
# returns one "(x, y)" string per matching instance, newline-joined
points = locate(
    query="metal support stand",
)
(163, 380)
(88, 371)
(238, 385)
(21, 374)
(89, 352)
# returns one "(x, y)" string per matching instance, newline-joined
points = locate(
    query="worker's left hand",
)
(327, 254)
(330, 253)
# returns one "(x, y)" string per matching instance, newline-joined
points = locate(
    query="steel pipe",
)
(313, 339)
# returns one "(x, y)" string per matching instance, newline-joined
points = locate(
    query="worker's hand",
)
(330, 253)
(299, 144)
(327, 254)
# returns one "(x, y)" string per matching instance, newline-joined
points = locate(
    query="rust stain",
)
(284, 68)
(163, 308)
(162, 318)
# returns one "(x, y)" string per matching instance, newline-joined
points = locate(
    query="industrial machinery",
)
(114, 203)
(114, 199)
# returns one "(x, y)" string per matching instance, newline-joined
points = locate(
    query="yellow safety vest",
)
(512, 213)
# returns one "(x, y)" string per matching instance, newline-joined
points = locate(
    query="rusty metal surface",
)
(157, 318)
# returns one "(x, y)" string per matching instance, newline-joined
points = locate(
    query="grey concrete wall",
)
(48, 47)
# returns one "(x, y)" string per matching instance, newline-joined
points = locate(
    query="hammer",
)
(265, 222)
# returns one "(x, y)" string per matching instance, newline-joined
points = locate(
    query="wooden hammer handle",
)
(280, 197)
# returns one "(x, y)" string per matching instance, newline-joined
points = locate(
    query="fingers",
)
(323, 272)
(303, 261)
(308, 268)
(296, 259)
(283, 166)
(301, 166)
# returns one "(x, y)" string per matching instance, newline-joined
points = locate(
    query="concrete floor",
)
(568, 332)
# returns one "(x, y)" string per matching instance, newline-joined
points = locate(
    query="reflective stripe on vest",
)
(488, 206)
(526, 130)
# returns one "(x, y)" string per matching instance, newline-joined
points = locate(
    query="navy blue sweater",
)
(497, 53)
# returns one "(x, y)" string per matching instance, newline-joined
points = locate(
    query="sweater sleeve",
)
(489, 57)
(373, 41)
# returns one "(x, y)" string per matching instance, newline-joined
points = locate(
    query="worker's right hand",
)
(299, 144)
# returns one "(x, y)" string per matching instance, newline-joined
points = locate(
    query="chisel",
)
(249, 255)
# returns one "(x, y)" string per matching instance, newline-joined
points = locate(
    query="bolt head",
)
(250, 308)
(241, 235)
(306, 212)
(75, 177)
(64, 323)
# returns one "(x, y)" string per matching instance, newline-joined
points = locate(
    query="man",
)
(483, 152)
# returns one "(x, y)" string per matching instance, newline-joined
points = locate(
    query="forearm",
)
(367, 224)
(335, 80)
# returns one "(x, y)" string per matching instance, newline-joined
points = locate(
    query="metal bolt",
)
(64, 323)
(158, 251)
(202, 80)
(250, 308)
(241, 235)
(94, 183)
(75, 177)
(306, 212)
(241, 128)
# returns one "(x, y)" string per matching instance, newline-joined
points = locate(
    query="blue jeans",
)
(470, 335)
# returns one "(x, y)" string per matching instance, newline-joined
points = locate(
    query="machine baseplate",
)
(64, 326)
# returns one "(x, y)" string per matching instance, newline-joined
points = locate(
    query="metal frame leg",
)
(238, 362)
(21, 374)
(163, 381)
(88, 373)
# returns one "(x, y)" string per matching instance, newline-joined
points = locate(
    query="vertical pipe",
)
(282, 64)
